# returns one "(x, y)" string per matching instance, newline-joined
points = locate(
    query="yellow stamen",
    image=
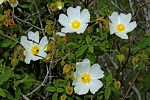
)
(76, 24)
(120, 28)
(35, 50)
(85, 78)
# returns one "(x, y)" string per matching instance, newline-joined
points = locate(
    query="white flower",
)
(1, 1)
(120, 24)
(34, 50)
(87, 77)
(76, 21)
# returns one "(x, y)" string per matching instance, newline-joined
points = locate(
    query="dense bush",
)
(74, 50)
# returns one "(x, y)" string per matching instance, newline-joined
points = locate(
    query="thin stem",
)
(42, 84)
(40, 19)
(130, 86)
(28, 23)
(8, 37)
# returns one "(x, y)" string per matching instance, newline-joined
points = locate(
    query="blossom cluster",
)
(86, 77)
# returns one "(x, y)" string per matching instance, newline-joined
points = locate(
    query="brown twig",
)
(123, 98)
(39, 16)
(28, 23)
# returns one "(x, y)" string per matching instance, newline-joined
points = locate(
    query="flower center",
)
(86, 78)
(120, 27)
(35, 50)
(76, 24)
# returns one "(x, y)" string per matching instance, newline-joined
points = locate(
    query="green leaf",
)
(26, 6)
(144, 43)
(100, 97)
(6, 74)
(54, 97)
(81, 50)
(91, 48)
(59, 90)
(9, 95)
(17, 93)
(71, 57)
(55, 83)
(109, 79)
(2, 93)
(107, 93)
(6, 43)
(51, 89)
(88, 39)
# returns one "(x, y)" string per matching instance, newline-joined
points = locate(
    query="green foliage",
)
(44, 79)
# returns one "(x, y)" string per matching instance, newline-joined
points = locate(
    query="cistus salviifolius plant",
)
(74, 50)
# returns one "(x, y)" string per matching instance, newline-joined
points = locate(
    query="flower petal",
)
(125, 19)
(85, 16)
(81, 89)
(96, 72)
(27, 57)
(43, 42)
(122, 35)
(73, 13)
(83, 67)
(67, 30)
(25, 43)
(131, 26)
(112, 28)
(75, 78)
(33, 36)
(114, 18)
(82, 29)
(95, 85)
(42, 54)
(86, 62)
(63, 20)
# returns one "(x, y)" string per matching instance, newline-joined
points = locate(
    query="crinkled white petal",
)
(64, 20)
(77, 78)
(96, 72)
(25, 43)
(86, 62)
(95, 85)
(60, 34)
(43, 42)
(122, 35)
(42, 54)
(27, 57)
(83, 67)
(67, 30)
(131, 26)
(125, 19)
(82, 29)
(85, 16)
(114, 18)
(112, 28)
(33, 36)
(81, 89)
(73, 13)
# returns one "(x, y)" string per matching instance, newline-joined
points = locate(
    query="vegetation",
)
(125, 62)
